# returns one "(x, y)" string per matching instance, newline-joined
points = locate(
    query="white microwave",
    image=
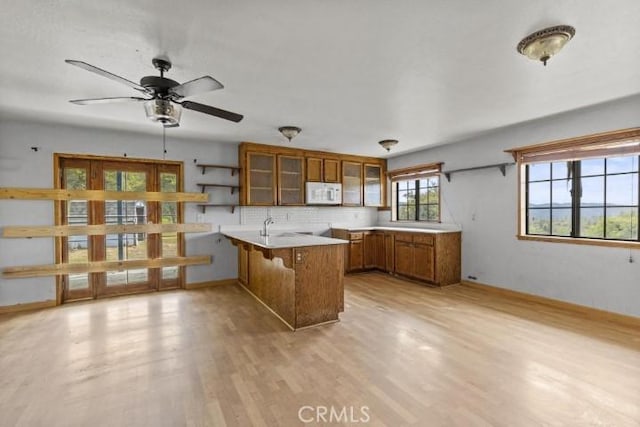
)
(323, 193)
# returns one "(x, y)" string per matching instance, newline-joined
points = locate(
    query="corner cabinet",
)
(429, 257)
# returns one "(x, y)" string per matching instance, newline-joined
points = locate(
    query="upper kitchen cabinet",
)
(323, 169)
(259, 173)
(274, 175)
(351, 183)
(373, 185)
(290, 180)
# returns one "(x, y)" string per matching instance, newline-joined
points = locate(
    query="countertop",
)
(282, 240)
(400, 229)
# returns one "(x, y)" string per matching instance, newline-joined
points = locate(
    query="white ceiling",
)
(350, 73)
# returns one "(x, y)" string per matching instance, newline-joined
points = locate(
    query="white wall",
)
(484, 203)
(22, 167)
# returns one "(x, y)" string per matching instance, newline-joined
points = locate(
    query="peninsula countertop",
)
(281, 240)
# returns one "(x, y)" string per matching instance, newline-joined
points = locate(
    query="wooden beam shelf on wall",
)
(232, 187)
(218, 205)
(101, 266)
(204, 167)
(62, 194)
(102, 229)
(501, 166)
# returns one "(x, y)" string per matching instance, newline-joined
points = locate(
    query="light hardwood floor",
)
(413, 355)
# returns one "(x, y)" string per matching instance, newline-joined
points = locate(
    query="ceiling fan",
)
(162, 97)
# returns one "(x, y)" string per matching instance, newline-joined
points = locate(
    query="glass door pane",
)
(169, 212)
(76, 213)
(126, 246)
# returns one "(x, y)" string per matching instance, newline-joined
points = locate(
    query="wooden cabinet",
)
(373, 185)
(272, 175)
(331, 170)
(243, 264)
(374, 250)
(260, 176)
(290, 180)
(429, 257)
(314, 169)
(323, 169)
(356, 255)
(389, 249)
(351, 183)
(414, 255)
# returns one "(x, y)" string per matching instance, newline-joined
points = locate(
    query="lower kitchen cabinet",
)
(429, 257)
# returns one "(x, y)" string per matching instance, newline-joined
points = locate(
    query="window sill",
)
(581, 241)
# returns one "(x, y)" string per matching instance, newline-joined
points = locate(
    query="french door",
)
(119, 175)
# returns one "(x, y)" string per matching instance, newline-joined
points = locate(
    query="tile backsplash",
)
(311, 218)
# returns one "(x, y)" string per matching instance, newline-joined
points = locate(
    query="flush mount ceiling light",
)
(543, 44)
(388, 143)
(289, 132)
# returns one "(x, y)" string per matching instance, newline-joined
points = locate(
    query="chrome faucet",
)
(265, 230)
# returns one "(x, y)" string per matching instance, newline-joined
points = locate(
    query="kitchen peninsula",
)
(298, 277)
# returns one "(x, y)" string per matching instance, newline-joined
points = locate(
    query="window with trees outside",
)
(586, 188)
(416, 193)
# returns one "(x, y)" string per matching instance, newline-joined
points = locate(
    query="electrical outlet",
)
(199, 218)
(289, 216)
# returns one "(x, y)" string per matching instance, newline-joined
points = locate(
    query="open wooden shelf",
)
(204, 167)
(205, 185)
(218, 205)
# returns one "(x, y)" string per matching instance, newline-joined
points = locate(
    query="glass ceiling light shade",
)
(163, 111)
(289, 132)
(543, 44)
(388, 143)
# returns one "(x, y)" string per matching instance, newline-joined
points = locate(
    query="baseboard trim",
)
(38, 305)
(589, 312)
(210, 283)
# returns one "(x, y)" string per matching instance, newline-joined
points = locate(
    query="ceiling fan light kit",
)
(543, 44)
(162, 96)
(163, 111)
(289, 132)
(388, 143)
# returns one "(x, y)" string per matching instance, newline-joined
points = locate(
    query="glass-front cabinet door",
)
(372, 185)
(291, 180)
(261, 179)
(351, 183)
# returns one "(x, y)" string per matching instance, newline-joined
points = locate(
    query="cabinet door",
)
(314, 169)
(404, 258)
(370, 250)
(243, 265)
(261, 179)
(351, 183)
(290, 180)
(372, 185)
(355, 255)
(380, 251)
(331, 169)
(424, 262)
(389, 252)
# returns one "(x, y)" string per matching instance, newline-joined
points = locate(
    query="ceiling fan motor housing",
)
(159, 85)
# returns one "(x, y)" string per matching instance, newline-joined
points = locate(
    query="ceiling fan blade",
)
(107, 100)
(212, 111)
(199, 85)
(107, 74)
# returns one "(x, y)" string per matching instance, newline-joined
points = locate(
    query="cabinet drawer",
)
(355, 236)
(427, 239)
(404, 237)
